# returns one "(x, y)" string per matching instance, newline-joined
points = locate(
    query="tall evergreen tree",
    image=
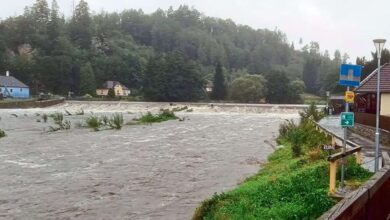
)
(87, 80)
(310, 75)
(219, 90)
(80, 26)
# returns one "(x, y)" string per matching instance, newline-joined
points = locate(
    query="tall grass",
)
(93, 122)
(164, 115)
(116, 121)
(62, 124)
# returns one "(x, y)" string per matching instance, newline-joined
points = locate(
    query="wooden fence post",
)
(359, 159)
(332, 177)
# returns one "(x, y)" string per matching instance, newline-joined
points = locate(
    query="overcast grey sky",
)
(348, 25)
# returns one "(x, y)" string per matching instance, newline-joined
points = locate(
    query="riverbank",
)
(292, 185)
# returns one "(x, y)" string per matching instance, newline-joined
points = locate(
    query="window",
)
(21, 89)
(11, 90)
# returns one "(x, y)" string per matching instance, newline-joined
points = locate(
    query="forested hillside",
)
(167, 55)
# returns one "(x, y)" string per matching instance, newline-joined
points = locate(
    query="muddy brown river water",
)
(159, 171)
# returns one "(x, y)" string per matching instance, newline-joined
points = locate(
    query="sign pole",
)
(344, 146)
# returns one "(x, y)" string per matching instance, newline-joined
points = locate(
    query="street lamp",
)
(379, 45)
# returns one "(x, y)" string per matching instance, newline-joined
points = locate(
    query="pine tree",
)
(219, 90)
(87, 80)
(40, 12)
(54, 23)
(80, 26)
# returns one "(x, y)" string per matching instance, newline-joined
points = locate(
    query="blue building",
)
(10, 87)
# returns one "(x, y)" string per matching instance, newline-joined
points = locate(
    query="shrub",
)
(116, 121)
(111, 93)
(296, 138)
(311, 113)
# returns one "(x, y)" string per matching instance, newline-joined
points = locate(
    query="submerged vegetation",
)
(164, 115)
(292, 185)
(62, 124)
(96, 123)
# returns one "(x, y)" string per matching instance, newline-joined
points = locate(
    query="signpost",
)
(349, 97)
(347, 119)
(349, 76)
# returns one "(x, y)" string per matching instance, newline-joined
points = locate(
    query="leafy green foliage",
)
(172, 78)
(311, 113)
(51, 53)
(280, 89)
(248, 88)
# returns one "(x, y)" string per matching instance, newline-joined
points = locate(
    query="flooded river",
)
(159, 171)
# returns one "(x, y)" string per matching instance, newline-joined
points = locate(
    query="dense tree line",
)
(167, 55)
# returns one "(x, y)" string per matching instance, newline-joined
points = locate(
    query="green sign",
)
(347, 119)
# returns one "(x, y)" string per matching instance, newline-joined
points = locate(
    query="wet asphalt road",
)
(160, 171)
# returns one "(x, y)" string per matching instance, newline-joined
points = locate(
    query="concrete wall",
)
(16, 92)
(385, 104)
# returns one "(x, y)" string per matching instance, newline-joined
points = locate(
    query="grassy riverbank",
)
(292, 185)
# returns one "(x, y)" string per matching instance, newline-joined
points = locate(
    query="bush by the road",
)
(2, 133)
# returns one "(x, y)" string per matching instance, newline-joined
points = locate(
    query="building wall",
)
(119, 91)
(102, 92)
(385, 104)
(16, 92)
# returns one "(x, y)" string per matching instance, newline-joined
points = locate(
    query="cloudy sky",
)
(348, 25)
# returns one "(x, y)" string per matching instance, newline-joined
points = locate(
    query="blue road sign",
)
(350, 75)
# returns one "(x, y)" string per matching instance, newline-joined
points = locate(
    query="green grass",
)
(164, 115)
(287, 187)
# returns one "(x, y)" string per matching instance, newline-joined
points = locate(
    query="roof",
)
(10, 81)
(369, 84)
(112, 84)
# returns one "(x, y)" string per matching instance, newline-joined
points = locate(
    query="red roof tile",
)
(369, 84)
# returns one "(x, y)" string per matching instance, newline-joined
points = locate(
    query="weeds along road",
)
(159, 171)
